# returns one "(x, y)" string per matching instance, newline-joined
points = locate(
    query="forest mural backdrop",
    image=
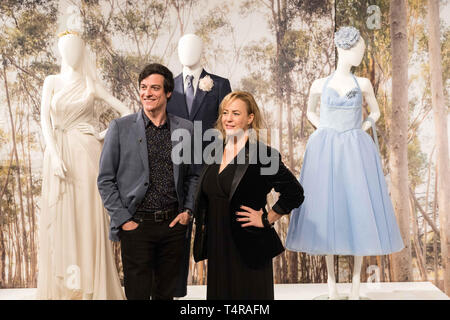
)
(273, 48)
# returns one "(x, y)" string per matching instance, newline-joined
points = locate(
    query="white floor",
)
(372, 291)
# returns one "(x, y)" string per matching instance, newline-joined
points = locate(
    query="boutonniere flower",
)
(206, 83)
(351, 93)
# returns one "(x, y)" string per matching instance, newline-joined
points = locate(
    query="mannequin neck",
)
(71, 73)
(193, 69)
(343, 68)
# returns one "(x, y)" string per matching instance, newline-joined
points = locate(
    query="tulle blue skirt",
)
(347, 209)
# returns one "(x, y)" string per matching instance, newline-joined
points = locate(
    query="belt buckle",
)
(157, 214)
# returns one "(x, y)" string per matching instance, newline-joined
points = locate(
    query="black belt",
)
(156, 216)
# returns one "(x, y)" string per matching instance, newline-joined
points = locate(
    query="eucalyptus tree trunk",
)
(398, 158)
(440, 127)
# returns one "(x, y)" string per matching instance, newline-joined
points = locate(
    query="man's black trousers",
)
(151, 258)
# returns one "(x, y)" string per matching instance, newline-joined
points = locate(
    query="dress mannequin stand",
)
(347, 209)
(343, 82)
(331, 281)
(200, 106)
(75, 256)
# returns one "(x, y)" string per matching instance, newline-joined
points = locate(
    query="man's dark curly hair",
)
(159, 69)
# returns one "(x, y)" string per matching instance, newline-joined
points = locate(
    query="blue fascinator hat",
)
(346, 37)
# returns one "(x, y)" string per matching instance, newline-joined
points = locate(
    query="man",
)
(148, 195)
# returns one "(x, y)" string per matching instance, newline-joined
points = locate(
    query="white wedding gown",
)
(75, 255)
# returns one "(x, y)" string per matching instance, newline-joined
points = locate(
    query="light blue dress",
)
(347, 209)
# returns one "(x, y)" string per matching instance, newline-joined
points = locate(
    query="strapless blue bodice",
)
(338, 112)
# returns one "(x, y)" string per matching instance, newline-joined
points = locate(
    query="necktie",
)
(189, 92)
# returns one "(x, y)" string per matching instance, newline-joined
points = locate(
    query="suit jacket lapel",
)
(199, 191)
(179, 88)
(240, 171)
(141, 139)
(174, 124)
(199, 96)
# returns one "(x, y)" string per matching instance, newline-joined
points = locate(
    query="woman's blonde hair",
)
(252, 108)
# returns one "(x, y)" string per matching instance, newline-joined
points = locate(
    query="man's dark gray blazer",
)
(124, 174)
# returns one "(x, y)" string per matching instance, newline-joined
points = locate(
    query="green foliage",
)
(126, 36)
(43, 68)
(258, 56)
(142, 18)
(211, 23)
(10, 6)
(29, 28)
(295, 47)
(121, 72)
(218, 35)
(316, 8)
(211, 26)
(256, 84)
(26, 38)
(247, 7)
(417, 161)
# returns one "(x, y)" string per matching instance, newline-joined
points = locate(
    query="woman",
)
(233, 229)
(75, 256)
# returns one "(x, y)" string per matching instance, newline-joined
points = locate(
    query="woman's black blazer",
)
(250, 188)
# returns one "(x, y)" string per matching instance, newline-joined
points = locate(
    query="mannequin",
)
(348, 210)
(190, 49)
(75, 257)
(208, 91)
(72, 49)
(343, 82)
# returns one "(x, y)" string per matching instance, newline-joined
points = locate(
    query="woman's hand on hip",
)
(253, 218)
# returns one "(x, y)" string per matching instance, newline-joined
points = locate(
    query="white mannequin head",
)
(190, 48)
(354, 55)
(71, 48)
(76, 57)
